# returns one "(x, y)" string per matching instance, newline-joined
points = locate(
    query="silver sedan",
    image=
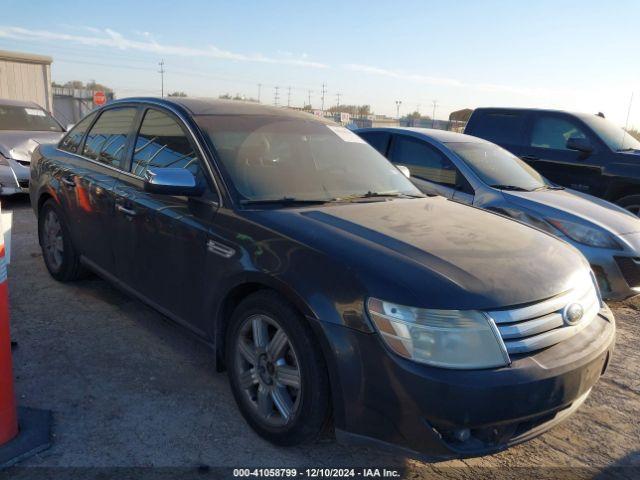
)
(23, 125)
(469, 170)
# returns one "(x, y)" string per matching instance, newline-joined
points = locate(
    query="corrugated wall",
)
(26, 77)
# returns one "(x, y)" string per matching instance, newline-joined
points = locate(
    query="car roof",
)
(441, 136)
(581, 115)
(214, 106)
(19, 103)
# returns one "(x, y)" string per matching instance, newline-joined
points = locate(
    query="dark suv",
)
(330, 288)
(577, 150)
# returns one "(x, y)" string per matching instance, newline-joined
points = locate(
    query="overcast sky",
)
(578, 55)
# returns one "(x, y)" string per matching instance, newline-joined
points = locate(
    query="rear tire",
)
(631, 203)
(276, 370)
(60, 256)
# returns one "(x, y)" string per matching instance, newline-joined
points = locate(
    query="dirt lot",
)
(129, 389)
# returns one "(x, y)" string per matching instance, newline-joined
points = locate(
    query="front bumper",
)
(386, 400)
(617, 271)
(14, 178)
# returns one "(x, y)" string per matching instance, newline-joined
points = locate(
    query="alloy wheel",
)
(267, 370)
(52, 240)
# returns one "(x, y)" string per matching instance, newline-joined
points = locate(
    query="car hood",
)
(586, 207)
(449, 255)
(20, 144)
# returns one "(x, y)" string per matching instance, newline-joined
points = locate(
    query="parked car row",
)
(332, 289)
(472, 171)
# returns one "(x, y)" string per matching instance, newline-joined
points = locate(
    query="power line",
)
(309, 92)
(338, 95)
(161, 72)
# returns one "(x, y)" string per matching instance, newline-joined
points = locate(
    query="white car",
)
(23, 126)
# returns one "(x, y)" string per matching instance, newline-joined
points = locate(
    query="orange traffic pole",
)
(8, 412)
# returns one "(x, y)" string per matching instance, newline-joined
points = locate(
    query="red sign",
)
(99, 98)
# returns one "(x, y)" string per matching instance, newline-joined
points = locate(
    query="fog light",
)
(462, 434)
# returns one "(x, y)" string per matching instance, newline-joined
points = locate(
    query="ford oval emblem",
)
(572, 313)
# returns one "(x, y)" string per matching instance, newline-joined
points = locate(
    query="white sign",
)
(34, 112)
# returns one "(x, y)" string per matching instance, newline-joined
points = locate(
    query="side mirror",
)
(405, 170)
(580, 144)
(171, 181)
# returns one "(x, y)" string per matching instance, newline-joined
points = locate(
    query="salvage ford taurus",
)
(331, 289)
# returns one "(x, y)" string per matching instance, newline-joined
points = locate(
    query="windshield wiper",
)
(371, 194)
(548, 187)
(284, 201)
(515, 188)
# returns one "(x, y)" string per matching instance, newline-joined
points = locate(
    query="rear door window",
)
(553, 132)
(71, 141)
(504, 128)
(162, 143)
(106, 142)
(424, 161)
(378, 140)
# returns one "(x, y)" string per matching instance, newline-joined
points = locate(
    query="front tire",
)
(631, 203)
(60, 256)
(276, 370)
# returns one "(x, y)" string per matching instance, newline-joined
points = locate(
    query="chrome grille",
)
(541, 325)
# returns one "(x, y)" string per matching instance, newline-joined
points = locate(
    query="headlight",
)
(586, 235)
(528, 219)
(464, 339)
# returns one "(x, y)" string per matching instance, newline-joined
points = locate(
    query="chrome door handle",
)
(68, 181)
(126, 211)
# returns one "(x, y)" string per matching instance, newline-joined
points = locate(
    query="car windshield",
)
(498, 168)
(615, 137)
(13, 117)
(279, 157)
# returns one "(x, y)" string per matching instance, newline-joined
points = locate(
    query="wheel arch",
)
(238, 290)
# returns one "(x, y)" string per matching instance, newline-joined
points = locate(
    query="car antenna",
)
(626, 125)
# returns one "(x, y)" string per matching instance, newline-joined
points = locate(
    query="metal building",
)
(24, 76)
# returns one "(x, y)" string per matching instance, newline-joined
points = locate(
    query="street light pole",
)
(398, 103)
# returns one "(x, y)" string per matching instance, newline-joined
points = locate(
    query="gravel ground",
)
(129, 389)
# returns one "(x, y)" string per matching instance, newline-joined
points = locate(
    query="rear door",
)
(378, 140)
(431, 171)
(546, 151)
(162, 239)
(502, 127)
(89, 180)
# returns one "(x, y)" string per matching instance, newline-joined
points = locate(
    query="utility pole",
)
(161, 72)
(338, 95)
(418, 108)
(398, 103)
(259, 90)
(309, 92)
(433, 117)
(289, 97)
(276, 96)
(323, 91)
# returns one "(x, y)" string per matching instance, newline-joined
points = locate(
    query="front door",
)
(547, 152)
(162, 249)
